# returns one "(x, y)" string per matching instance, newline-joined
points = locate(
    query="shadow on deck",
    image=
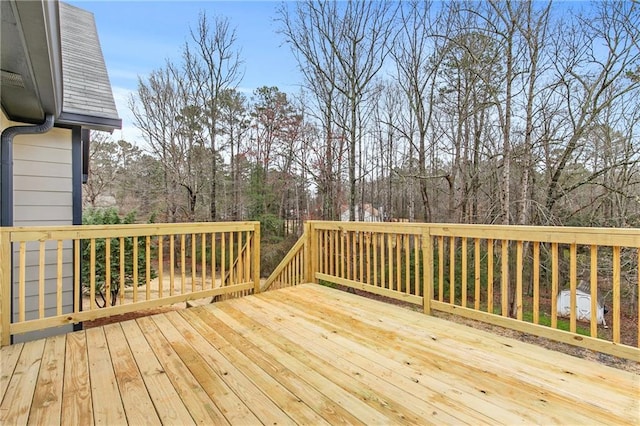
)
(307, 354)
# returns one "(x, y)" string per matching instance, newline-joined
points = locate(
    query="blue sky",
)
(138, 37)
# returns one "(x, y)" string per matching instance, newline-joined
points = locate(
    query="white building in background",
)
(368, 214)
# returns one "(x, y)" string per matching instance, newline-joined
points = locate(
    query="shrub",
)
(109, 216)
(271, 228)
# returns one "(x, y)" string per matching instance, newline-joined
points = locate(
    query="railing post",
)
(256, 258)
(5, 287)
(308, 250)
(313, 243)
(427, 270)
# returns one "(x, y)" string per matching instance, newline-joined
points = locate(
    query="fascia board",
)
(41, 30)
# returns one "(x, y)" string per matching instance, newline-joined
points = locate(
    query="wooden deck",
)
(309, 355)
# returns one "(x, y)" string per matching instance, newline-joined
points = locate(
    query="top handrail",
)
(629, 237)
(38, 233)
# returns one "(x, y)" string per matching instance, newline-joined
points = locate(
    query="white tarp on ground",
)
(583, 306)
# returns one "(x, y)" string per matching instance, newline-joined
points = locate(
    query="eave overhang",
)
(42, 69)
(30, 59)
(104, 124)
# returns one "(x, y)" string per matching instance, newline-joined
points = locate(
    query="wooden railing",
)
(237, 270)
(510, 276)
(64, 275)
(290, 270)
(387, 260)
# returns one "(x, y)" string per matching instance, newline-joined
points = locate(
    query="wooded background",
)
(474, 112)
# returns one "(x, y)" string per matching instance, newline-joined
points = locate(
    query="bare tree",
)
(492, 112)
(234, 124)
(590, 82)
(103, 170)
(154, 109)
(212, 64)
(534, 30)
(319, 68)
(416, 70)
(355, 38)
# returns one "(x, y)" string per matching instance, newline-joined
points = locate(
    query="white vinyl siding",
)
(43, 195)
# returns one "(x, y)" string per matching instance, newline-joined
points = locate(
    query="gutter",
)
(6, 164)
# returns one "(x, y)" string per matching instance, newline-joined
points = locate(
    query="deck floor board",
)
(284, 368)
(380, 376)
(77, 406)
(47, 400)
(231, 407)
(429, 351)
(545, 368)
(137, 403)
(298, 401)
(201, 407)
(367, 403)
(166, 400)
(434, 348)
(107, 400)
(495, 344)
(247, 392)
(304, 355)
(370, 353)
(10, 356)
(17, 401)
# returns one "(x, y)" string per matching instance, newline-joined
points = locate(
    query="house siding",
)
(43, 195)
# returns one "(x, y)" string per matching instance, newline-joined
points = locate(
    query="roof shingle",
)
(86, 86)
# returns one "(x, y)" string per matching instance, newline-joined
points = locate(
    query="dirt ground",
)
(129, 316)
(154, 284)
